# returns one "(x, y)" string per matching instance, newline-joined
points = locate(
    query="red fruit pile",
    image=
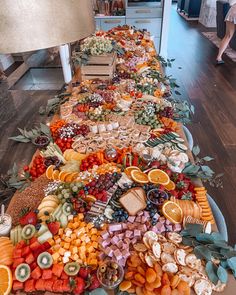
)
(64, 143)
(28, 217)
(53, 279)
(38, 167)
(89, 162)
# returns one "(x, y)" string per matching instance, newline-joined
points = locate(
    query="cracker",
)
(203, 287)
(180, 256)
(170, 267)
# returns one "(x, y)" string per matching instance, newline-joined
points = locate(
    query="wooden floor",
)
(211, 90)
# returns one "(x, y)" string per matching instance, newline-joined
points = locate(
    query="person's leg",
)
(230, 28)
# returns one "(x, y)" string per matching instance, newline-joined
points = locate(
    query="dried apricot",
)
(157, 283)
(131, 290)
(175, 292)
(139, 291)
(166, 290)
(174, 281)
(158, 269)
(129, 275)
(149, 292)
(125, 285)
(150, 275)
(149, 286)
(165, 279)
(138, 277)
(183, 288)
(141, 271)
(137, 283)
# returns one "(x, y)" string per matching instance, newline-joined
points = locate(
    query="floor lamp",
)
(33, 25)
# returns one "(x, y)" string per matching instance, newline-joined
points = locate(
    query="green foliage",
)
(30, 135)
(219, 256)
(15, 179)
(53, 104)
(198, 169)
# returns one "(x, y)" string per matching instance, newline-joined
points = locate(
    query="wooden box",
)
(99, 67)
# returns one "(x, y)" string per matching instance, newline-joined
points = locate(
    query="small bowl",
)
(114, 285)
(43, 143)
(157, 196)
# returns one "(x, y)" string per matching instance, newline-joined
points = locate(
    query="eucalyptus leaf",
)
(205, 238)
(207, 159)
(222, 274)
(224, 264)
(196, 150)
(20, 138)
(14, 169)
(202, 252)
(222, 244)
(187, 241)
(211, 271)
(194, 229)
(45, 129)
(232, 264)
(207, 170)
(217, 236)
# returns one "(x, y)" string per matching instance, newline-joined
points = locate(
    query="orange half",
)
(55, 175)
(49, 171)
(62, 175)
(172, 212)
(128, 170)
(90, 198)
(5, 280)
(72, 176)
(170, 186)
(139, 176)
(158, 176)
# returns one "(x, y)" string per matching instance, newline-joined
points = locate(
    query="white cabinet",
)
(143, 12)
(107, 24)
(152, 25)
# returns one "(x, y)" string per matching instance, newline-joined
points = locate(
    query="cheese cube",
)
(62, 251)
(95, 245)
(67, 254)
(67, 240)
(68, 232)
(94, 238)
(51, 242)
(65, 259)
(90, 225)
(87, 240)
(58, 241)
(74, 250)
(90, 249)
(94, 231)
(70, 217)
(55, 256)
(73, 236)
(82, 249)
(67, 246)
(60, 232)
(80, 216)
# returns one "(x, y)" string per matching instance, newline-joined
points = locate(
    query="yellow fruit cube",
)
(61, 251)
(67, 239)
(95, 245)
(55, 256)
(94, 238)
(90, 225)
(51, 242)
(74, 250)
(93, 231)
(73, 237)
(80, 216)
(67, 246)
(60, 232)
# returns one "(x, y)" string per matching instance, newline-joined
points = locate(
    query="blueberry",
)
(74, 212)
(152, 214)
(36, 211)
(37, 226)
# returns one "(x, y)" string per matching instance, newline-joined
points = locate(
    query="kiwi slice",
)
(71, 268)
(67, 209)
(22, 272)
(28, 231)
(44, 260)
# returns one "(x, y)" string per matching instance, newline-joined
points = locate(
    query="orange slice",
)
(62, 175)
(5, 280)
(49, 171)
(158, 176)
(72, 176)
(139, 176)
(128, 170)
(55, 175)
(170, 186)
(90, 198)
(172, 212)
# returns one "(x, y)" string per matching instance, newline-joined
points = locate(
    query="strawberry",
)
(28, 217)
(79, 286)
(94, 282)
(84, 272)
(54, 227)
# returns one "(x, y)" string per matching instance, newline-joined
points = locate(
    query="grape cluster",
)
(51, 161)
(167, 112)
(152, 209)
(72, 129)
(99, 187)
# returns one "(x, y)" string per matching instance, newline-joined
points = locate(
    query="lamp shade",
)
(27, 25)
